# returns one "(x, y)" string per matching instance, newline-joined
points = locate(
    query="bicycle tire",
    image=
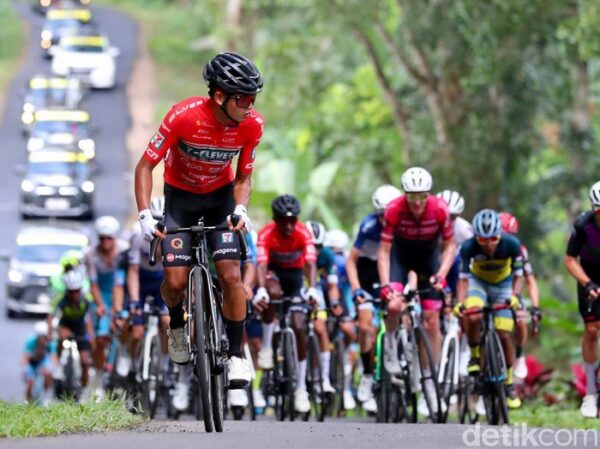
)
(422, 339)
(466, 391)
(151, 386)
(383, 392)
(497, 373)
(314, 380)
(277, 386)
(447, 387)
(406, 408)
(215, 330)
(336, 407)
(202, 363)
(290, 371)
(69, 391)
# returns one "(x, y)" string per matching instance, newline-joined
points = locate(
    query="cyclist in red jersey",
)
(414, 224)
(198, 140)
(286, 255)
(510, 225)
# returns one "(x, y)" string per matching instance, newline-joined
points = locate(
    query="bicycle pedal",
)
(224, 344)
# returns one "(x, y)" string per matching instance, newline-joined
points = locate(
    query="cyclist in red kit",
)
(198, 140)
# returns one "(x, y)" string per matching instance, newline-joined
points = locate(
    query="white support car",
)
(90, 58)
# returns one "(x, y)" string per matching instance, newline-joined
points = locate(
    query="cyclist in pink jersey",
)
(198, 140)
(414, 225)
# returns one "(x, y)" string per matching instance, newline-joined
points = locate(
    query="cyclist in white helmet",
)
(106, 266)
(462, 231)
(361, 268)
(417, 236)
(39, 359)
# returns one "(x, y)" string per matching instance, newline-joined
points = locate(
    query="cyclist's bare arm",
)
(447, 257)
(249, 275)
(461, 289)
(241, 189)
(143, 183)
(575, 269)
(351, 270)
(383, 262)
(310, 271)
(133, 281)
(261, 274)
(97, 295)
(533, 290)
(118, 297)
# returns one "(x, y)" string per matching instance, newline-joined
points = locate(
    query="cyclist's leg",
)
(84, 347)
(29, 375)
(476, 298)
(589, 350)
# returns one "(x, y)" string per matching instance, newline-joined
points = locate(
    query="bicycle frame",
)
(452, 334)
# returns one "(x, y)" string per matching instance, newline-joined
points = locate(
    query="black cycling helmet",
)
(285, 206)
(233, 73)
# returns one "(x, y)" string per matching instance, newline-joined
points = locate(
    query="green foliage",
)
(19, 420)
(564, 415)
(11, 33)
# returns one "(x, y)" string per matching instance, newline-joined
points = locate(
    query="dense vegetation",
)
(496, 98)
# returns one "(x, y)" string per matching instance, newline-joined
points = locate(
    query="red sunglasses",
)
(244, 101)
(483, 240)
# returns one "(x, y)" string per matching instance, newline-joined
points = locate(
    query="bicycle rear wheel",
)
(429, 381)
(336, 407)
(466, 400)
(314, 380)
(202, 362)
(152, 384)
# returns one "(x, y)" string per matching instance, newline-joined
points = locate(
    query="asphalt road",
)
(331, 435)
(109, 113)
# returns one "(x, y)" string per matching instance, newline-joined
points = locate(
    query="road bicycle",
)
(205, 333)
(490, 382)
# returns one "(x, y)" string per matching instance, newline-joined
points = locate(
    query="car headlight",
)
(88, 186)
(88, 147)
(15, 276)
(27, 186)
(46, 35)
(27, 118)
(34, 144)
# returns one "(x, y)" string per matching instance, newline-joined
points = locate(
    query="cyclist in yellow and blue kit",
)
(489, 261)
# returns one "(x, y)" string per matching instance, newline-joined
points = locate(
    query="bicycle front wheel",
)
(447, 373)
(495, 399)
(202, 362)
(314, 379)
(216, 331)
(151, 385)
(429, 381)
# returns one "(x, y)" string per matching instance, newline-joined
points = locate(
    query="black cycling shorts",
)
(368, 276)
(183, 209)
(425, 264)
(583, 302)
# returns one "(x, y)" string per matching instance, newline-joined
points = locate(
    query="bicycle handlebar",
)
(494, 308)
(198, 229)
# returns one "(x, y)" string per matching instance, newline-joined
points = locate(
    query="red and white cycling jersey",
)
(198, 149)
(285, 252)
(400, 223)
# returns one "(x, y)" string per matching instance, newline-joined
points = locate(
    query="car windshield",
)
(57, 24)
(73, 169)
(50, 95)
(55, 126)
(43, 253)
(83, 48)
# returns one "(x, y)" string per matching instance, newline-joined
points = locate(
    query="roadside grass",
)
(565, 415)
(12, 37)
(24, 420)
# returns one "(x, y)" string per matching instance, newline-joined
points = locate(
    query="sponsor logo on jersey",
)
(157, 140)
(177, 243)
(170, 257)
(208, 154)
(152, 154)
(227, 237)
(225, 251)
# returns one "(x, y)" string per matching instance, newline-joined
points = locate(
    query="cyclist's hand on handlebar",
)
(148, 224)
(359, 295)
(438, 282)
(515, 302)
(261, 299)
(238, 219)
(592, 290)
(390, 292)
(312, 295)
(100, 310)
(458, 309)
(536, 317)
